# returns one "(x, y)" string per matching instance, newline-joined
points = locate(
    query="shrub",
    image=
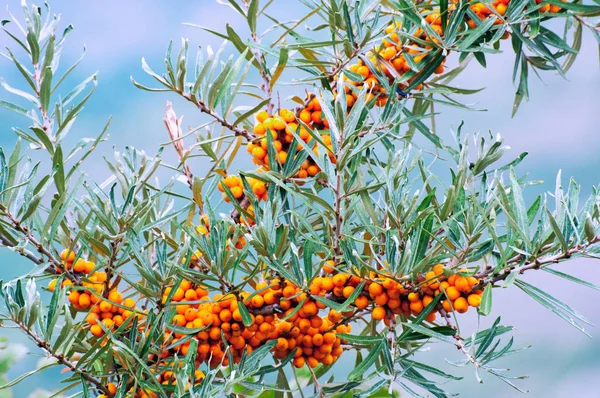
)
(343, 242)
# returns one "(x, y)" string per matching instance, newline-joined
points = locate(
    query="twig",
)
(339, 219)
(316, 381)
(25, 253)
(264, 71)
(586, 23)
(47, 125)
(239, 131)
(44, 345)
(114, 247)
(39, 247)
(341, 65)
(532, 263)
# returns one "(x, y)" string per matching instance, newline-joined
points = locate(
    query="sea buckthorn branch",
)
(266, 86)
(40, 248)
(25, 253)
(43, 47)
(239, 131)
(63, 360)
(520, 263)
(302, 320)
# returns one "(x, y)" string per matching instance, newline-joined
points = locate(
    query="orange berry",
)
(378, 313)
(84, 300)
(74, 297)
(382, 299)
(260, 129)
(452, 293)
(115, 297)
(452, 279)
(179, 295)
(348, 290)
(92, 318)
(259, 153)
(427, 300)
(461, 284)
(259, 188)
(89, 267)
(105, 306)
(340, 279)
(237, 192)
(96, 330)
(179, 320)
(282, 156)
(67, 255)
(262, 116)
(108, 323)
(278, 124)
(79, 265)
(446, 305)
(416, 306)
(375, 289)
(289, 117)
(474, 300)
(305, 116)
(299, 362)
(413, 297)
(225, 315)
(461, 305)
(316, 117)
(312, 170)
(258, 301)
(363, 70)
(310, 308)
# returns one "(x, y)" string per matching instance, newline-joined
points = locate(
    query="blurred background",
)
(558, 127)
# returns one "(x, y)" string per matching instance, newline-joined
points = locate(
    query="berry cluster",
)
(282, 129)
(296, 325)
(110, 314)
(236, 186)
(386, 297)
(273, 317)
(297, 321)
(104, 314)
(395, 54)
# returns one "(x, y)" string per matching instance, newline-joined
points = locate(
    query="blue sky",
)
(558, 127)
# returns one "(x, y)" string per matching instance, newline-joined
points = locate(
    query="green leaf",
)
(13, 107)
(430, 333)
(34, 46)
(558, 307)
(252, 15)
(59, 175)
(358, 371)
(246, 318)
(486, 301)
(241, 46)
(45, 89)
(281, 63)
(43, 137)
(251, 112)
(26, 375)
(557, 232)
(571, 278)
(360, 340)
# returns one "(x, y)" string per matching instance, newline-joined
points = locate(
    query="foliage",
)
(344, 241)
